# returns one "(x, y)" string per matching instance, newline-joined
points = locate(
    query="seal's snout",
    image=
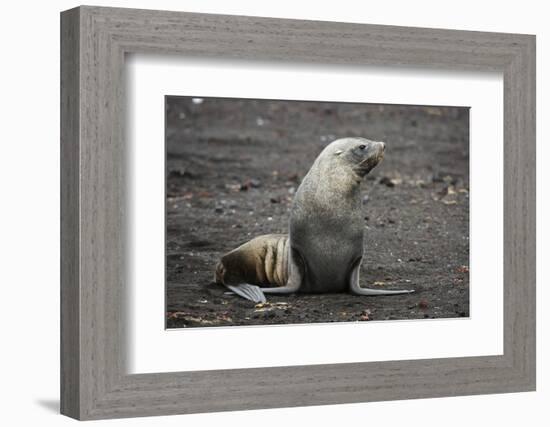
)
(380, 148)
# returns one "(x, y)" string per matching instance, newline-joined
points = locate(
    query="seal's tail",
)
(219, 274)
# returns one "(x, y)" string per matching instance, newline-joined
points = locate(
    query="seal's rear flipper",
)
(250, 292)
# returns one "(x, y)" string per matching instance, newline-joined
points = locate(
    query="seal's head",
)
(361, 155)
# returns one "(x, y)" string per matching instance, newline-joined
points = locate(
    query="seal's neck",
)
(338, 180)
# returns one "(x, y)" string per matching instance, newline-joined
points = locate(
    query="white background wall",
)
(29, 211)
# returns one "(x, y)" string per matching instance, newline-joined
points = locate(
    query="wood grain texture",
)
(70, 296)
(94, 272)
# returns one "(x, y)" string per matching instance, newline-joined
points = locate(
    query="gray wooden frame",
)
(94, 41)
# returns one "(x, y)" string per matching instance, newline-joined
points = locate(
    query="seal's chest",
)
(329, 273)
(318, 282)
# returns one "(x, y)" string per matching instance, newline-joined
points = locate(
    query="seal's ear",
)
(338, 152)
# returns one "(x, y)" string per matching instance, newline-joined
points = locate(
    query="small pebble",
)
(255, 183)
(423, 304)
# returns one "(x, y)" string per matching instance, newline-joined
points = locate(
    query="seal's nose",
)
(383, 145)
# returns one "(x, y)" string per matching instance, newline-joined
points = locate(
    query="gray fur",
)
(324, 248)
(326, 220)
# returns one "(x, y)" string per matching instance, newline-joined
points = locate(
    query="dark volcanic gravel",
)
(232, 169)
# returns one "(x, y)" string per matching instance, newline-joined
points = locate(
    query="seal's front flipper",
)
(358, 290)
(250, 292)
(366, 291)
(296, 266)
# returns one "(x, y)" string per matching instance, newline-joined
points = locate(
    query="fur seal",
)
(324, 247)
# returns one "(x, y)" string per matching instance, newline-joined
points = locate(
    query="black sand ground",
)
(232, 169)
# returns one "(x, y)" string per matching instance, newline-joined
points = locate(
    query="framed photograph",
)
(262, 213)
(235, 173)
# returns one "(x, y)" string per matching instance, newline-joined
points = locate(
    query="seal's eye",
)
(362, 146)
